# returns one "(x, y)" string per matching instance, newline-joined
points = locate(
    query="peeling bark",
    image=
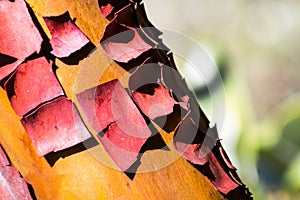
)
(66, 37)
(157, 94)
(12, 186)
(122, 129)
(54, 126)
(32, 84)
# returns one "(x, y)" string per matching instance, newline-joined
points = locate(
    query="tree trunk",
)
(76, 109)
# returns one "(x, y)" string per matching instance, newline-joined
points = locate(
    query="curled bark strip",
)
(150, 56)
(110, 7)
(75, 57)
(33, 84)
(66, 37)
(238, 192)
(122, 40)
(55, 126)
(19, 38)
(156, 105)
(122, 148)
(106, 9)
(122, 129)
(124, 52)
(223, 178)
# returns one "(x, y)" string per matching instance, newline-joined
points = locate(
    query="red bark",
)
(111, 112)
(12, 186)
(34, 83)
(55, 126)
(19, 38)
(66, 37)
(156, 105)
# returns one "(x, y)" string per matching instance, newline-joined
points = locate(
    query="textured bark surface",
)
(111, 112)
(66, 37)
(19, 37)
(148, 124)
(55, 126)
(25, 92)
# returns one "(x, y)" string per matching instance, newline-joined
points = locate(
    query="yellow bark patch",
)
(21, 152)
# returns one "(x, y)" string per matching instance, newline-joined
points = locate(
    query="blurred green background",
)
(256, 46)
